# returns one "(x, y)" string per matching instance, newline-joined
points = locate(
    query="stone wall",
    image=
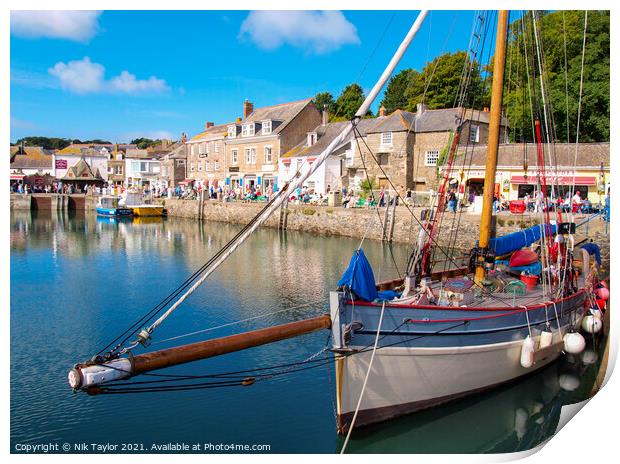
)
(19, 201)
(349, 222)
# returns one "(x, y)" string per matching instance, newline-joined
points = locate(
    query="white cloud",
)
(127, 83)
(83, 76)
(315, 31)
(73, 25)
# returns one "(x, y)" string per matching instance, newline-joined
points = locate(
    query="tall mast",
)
(492, 147)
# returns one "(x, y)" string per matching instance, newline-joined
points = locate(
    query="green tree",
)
(49, 143)
(439, 83)
(349, 102)
(323, 99)
(395, 93)
(561, 75)
(144, 143)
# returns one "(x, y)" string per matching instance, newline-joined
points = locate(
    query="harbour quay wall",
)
(348, 222)
(52, 201)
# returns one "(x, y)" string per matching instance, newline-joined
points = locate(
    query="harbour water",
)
(78, 281)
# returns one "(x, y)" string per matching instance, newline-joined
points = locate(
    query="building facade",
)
(255, 144)
(584, 168)
(96, 156)
(206, 156)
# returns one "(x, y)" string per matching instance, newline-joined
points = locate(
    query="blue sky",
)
(118, 75)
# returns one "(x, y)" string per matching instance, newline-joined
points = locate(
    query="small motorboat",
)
(108, 206)
(140, 207)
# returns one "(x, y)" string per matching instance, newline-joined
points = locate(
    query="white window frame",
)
(234, 156)
(250, 155)
(216, 165)
(476, 135)
(434, 157)
(311, 139)
(232, 132)
(192, 167)
(193, 149)
(387, 139)
(267, 127)
(216, 147)
(247, 130)
(270, 158)
(200, 165)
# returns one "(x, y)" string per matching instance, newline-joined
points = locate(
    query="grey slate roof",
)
(588, 154)
(325, 135)
(440, 120)
(282, 113)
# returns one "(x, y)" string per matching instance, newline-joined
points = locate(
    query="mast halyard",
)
(494, 128)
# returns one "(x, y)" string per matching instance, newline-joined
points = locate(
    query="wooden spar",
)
(90, 376)
(492, 147)
(218, 346)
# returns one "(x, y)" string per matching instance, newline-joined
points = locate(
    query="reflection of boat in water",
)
(114, 219)
(135, 201)
(146, 219)
(108, 205)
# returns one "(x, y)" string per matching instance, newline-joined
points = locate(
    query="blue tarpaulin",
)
(359, 277)
(517, 240)
(533, 269)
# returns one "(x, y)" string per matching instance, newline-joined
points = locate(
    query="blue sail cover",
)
(359, 277)
(517, 240)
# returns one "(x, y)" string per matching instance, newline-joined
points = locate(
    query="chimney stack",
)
(248, 107)
(382, 111)
(324, 116)
(421, 108)
(183, 137)
(208, 124)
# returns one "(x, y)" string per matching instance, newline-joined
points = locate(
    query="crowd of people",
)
(535, 202)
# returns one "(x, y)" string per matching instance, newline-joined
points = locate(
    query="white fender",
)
(591, 324)
(527, 352)
(545, 339)
(574, 343)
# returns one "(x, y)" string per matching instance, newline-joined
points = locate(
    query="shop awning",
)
(187, 181)
(551, 180)
(17, 176)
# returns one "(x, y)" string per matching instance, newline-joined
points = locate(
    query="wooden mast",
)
(492, 147)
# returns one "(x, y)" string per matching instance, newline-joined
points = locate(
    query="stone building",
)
(408, 146)
(254, 145)
(206, 155)
(173, 162)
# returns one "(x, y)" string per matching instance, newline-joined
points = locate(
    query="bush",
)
(308, 211)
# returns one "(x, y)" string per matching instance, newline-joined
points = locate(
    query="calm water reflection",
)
(77, 282)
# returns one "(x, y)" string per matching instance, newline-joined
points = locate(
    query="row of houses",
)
(270, 144)
(267, 146)
(114, 164)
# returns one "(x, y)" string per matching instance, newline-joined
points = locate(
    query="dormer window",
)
(267, 127)
(386, 138)
(232, 132)
(311, 138)
(247, 130)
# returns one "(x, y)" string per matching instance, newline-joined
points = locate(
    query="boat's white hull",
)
(404, 380)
